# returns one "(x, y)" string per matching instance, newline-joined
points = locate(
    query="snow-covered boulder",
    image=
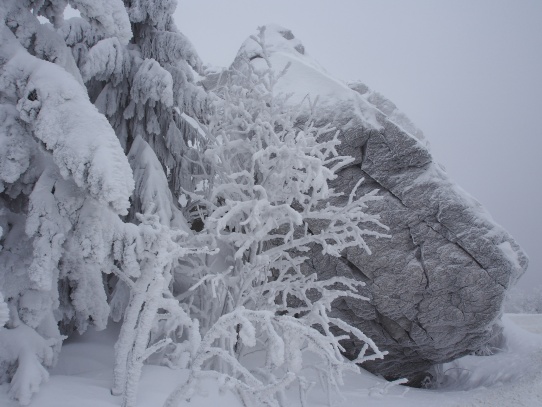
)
(437, 285)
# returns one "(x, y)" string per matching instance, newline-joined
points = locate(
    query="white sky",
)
(468, 73)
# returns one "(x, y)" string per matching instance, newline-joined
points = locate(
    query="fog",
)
(468, 73)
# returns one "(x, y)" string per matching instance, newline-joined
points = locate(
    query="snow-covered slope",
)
(511, 378)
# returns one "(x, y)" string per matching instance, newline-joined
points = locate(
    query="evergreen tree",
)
(61, 167)
(65, 179)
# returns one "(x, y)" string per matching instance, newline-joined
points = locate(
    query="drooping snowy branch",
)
(106, 61)
(64, 180)
(108, 16)
(152, 83)
(152, 191)
(63, 119)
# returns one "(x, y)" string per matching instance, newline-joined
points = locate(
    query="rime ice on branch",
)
(267, 202)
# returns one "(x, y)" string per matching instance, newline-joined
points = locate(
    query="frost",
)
(152, 82)
(80, 139)
(170, 47)
(4, 312)
(105, 61)
(157, 13)
(108, 16)
(157, 250)
(267, 202)
(152, 191)
(250, 175)
(46, 223)
(64, 179)
(29, 352)
(77, 30)
(15, 150)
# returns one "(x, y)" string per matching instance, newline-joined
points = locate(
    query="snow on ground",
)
(512, 377)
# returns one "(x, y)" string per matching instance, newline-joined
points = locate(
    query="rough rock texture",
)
(437, 284)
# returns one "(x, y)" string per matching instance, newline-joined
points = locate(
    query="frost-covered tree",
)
(65, 179)
(147, 87)
(153, 318)
(61, 166)
(268, 203)
(96, 116)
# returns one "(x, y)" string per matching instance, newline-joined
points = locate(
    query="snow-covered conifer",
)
(143, 88)
(65, 179)
(61, 169)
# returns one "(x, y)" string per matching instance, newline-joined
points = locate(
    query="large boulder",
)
(436, 286)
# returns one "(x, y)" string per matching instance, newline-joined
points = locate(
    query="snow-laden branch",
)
(82, 143)
(108, 16)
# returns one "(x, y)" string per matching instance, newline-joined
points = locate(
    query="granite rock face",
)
(437, 285)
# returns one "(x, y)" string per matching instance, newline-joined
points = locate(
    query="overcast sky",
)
(467, 72)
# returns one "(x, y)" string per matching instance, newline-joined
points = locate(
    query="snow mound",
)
(512, 377)
(306, 80)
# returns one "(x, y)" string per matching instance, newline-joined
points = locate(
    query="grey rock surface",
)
(437, 285)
